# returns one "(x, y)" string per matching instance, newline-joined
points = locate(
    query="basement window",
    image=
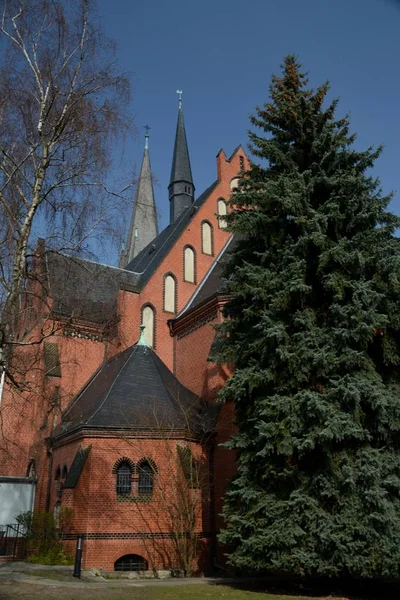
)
(131, 562)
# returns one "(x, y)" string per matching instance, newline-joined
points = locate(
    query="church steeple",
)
(181, 188)
(144, 227)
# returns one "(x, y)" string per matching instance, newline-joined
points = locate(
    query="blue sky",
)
(222, 53)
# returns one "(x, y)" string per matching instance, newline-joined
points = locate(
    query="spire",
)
(181, 188)
(144, 227)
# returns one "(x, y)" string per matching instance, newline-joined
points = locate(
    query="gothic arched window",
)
(124, 478)
(169, 294)
(222, 211)
(148, 322)
(146, 470)
(206, 238)
(189, 264)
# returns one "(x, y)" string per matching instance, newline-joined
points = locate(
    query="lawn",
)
(13, 590)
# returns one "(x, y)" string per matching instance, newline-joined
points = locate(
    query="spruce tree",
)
(313, 331)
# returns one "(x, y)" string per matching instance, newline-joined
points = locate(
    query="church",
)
(121, 426)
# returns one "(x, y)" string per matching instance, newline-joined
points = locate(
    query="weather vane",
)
(180, 97)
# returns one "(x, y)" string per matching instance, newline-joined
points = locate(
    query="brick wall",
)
(116, 525)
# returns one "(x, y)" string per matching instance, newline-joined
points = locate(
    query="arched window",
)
(58, 474)
(234, 183)
(206, 238)
(148, 322)
(131, 562)
(222, 213)
(189, 267)
(169, 294)
(64, 472)
(124, 478)
(146, 472)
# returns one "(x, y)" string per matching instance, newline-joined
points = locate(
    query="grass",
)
(135, 591)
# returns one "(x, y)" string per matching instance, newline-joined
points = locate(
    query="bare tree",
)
(62, 102)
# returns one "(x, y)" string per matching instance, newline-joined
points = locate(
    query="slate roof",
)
(147, 261)
(135, 390)
(85, 289)
(77, 467)
(181, 169)
(144, 226)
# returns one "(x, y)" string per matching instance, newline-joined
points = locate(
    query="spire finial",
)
(142, 341)
(146, 137)
(180, 97)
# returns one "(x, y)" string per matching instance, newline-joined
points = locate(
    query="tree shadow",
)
(321, 587)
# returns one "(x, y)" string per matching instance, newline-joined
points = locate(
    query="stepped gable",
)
(83, 289)
(148, 260)
(135, 390)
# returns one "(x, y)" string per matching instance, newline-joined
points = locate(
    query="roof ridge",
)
(93, 262)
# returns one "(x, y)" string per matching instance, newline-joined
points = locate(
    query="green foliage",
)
(313, 331)
(55, 555)
(44, 532)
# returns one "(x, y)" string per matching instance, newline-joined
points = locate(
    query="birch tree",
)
(62, 107)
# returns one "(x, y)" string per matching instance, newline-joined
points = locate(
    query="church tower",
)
(144, 226)
(181, 188)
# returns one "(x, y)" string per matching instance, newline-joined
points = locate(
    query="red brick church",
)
(120, 423)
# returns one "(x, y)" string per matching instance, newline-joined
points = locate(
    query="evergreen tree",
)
(313, 331)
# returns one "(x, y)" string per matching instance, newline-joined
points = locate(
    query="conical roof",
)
(135, 389)
(144, 226)
(181, 169)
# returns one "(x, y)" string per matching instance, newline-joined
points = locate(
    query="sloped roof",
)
(77, 467)
(85, 289)
(147, 261)
(134, 390)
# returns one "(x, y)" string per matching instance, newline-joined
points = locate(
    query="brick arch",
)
(130, 547)
(123, 459)
(150, 461)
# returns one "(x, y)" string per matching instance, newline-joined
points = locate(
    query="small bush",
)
(54, 556)
(44, 532)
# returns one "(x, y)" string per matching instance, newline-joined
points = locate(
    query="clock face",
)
(234, 183)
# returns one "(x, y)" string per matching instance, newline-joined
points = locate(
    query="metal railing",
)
(9, 536)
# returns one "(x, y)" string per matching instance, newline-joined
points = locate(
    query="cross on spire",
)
(180, 97)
